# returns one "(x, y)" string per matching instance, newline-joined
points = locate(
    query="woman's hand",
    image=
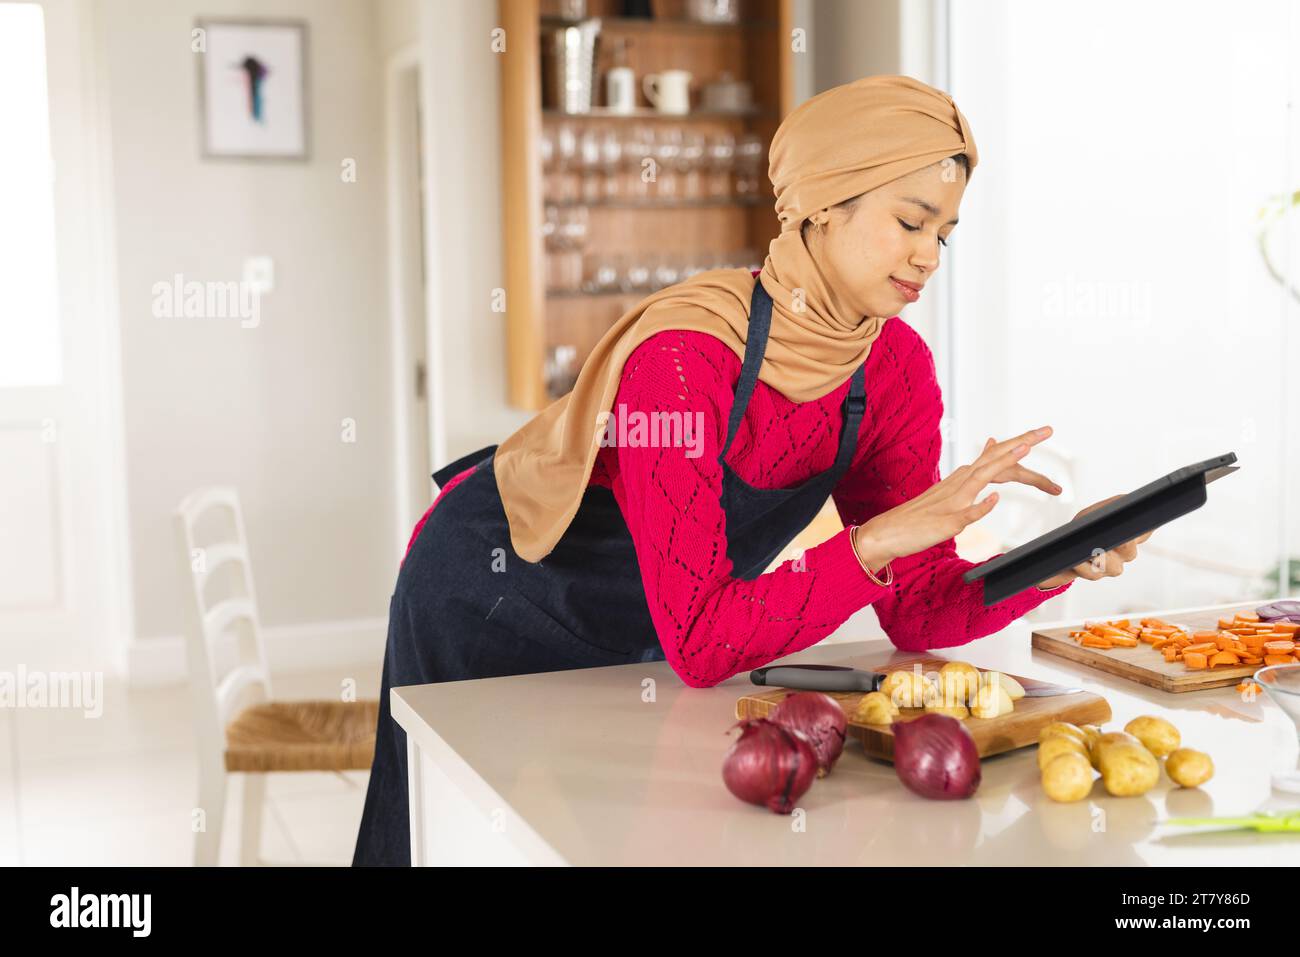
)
(948, 506)
(1108, 564)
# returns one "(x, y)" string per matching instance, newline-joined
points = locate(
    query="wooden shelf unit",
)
(756, 50)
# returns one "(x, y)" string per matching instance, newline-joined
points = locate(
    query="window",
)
(1122, 269)
(29, 326)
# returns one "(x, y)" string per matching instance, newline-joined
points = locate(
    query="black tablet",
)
(1134, 514)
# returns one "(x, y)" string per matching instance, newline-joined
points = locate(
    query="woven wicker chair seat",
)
(303, 736)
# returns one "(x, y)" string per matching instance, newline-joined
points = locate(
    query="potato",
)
(991, 702)
(959, 682)
(1090, 733)
(908, 689)
(1188, 768)
(875, 708)
(1105, 740)
(1065, 728)
(1057, 744)
(958, 711)
(1128, 770)
(1067, 777)
(1009, 684)
(1108, 738)
(1156, 734)
(957, 685)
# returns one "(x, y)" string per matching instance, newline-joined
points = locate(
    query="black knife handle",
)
(816, 678)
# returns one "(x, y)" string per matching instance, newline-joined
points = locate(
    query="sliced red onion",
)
(1279, 611)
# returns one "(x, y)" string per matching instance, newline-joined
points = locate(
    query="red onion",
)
(1279, 611)
(935, 756)
(820, 720)
(769, 765)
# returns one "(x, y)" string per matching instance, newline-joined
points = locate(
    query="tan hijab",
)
(837, 145)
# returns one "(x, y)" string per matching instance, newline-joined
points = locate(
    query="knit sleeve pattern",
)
(710, 624)
(928, 605)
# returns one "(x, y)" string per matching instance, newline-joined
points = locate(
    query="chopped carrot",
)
(1286, 627)
(1092, 641)
(1251, 660)
(1279, 659)
(1205, 635)
(1245, 616)
(1203, 647)
(1121, 642)
(1194, 659)
(1224, 658)
(1279, 647)
(1249, 686)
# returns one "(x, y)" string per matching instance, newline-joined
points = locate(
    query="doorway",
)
(407, 292)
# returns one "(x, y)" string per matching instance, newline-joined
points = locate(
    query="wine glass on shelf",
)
(749, 159)
(636, 274)
(611, 163)
(566, 155)
(591, 166)
(667, 149)
(639, 162)
(721, 150)
(691, 163)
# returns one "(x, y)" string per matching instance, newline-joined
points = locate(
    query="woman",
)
(581, 541)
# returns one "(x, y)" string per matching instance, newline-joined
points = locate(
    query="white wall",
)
(209, 402)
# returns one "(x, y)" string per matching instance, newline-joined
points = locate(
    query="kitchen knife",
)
(843, 678)
(817, 678)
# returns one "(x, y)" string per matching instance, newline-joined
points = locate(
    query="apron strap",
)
(760, 322)
(855, 406)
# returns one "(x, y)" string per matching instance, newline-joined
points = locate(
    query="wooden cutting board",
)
(992, 735)
(1143, 665)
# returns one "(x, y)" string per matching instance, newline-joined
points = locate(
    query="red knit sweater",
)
(712, 625)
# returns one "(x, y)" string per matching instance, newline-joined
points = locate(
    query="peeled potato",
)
(1064, 728)
(1009, 684)
(991, 702)
(875, 708)
(958, 711)
(908, 689)
(1188, 768)
(1156, 734)
(1055, 745)
(1067, 777)
(959, 682)
(1128, 769)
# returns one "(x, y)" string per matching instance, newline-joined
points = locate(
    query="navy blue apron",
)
(466, 606)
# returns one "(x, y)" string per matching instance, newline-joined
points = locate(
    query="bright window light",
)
(29, 325)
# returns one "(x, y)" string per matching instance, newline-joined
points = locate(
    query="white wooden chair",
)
(239, 727)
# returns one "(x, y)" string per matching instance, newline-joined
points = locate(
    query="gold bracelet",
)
(889, 566)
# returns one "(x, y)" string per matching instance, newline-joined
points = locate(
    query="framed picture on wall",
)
(252, 88)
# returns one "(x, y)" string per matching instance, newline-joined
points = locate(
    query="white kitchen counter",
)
(623, 765)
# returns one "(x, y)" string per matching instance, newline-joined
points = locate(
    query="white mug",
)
(669, 91)
(620, 90)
